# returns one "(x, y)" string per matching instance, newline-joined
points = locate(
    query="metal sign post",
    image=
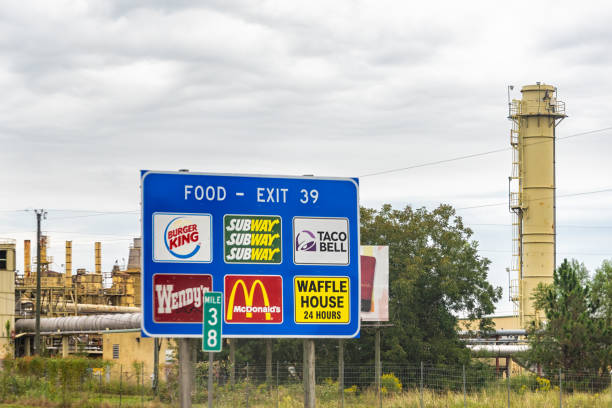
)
(212, 333)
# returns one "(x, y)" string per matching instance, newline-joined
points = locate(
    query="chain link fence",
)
(280, 385)
(399, 385)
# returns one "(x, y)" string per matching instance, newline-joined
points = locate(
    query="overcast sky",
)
(94, 91)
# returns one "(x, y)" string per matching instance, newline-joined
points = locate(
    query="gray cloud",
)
(95, 91)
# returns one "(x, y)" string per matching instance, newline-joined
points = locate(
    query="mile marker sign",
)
(283, 251)
(211, 327)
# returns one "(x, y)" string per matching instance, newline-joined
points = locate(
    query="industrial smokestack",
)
(68, 262)
(27, 258)
(98, 257)
(532, 197)
(134, 258)
(43, 250)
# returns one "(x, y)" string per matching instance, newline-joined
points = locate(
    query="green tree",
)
(602, 289)
(435, 272)
(576, 335)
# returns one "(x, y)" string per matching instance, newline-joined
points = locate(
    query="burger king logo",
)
(182, 237)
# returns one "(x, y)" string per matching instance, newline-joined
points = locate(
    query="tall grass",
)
(290, 396)
(38, 382)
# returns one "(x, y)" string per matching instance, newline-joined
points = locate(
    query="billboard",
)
(374, 283)
(282, 251)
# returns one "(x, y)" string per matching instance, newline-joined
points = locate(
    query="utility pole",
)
(39, 214)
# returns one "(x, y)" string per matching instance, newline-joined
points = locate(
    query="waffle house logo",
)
(182, 237)
(253, 299)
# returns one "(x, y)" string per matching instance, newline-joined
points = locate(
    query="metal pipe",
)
(92, 308)
(82, 323)
(500, 341)
(89, 308)
(502, 350)
(494, 333)
(51, 333)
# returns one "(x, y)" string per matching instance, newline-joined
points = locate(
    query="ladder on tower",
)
(516, 206)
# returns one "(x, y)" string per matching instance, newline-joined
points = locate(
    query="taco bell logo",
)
(305, 241)
(181, 237)
(321, 241)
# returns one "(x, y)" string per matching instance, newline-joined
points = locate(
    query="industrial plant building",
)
(79, 313)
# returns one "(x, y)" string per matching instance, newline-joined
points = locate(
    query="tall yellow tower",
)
(532, 193)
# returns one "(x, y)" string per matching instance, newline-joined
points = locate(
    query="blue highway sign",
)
(283, 251)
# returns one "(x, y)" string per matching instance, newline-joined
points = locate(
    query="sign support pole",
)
(309, 373)
(155, 365)
(377, 368)
(211, 358)
(341, 371)
(268, 361)
(232, 357)
(185, 377)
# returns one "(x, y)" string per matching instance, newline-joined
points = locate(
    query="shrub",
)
(390, 383)
(352, 390)
(543, 384)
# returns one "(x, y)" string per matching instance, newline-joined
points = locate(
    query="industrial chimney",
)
(98, 246)
(68, 277)
(532, 193)
(27, 258)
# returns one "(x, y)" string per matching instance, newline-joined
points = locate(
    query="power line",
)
(558, 252)
(123, 236)
(97, 214)
(71, 210)
(470, 156)
(433, 163)
(604, 190)
(558, 226)
(588, 132)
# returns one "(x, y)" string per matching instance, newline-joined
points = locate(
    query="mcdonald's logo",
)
(253, 299)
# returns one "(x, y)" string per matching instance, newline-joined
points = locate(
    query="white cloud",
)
(92, 92)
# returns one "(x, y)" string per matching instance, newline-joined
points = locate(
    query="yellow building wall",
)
(133, 351)
(508, 322)
(7, 299)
